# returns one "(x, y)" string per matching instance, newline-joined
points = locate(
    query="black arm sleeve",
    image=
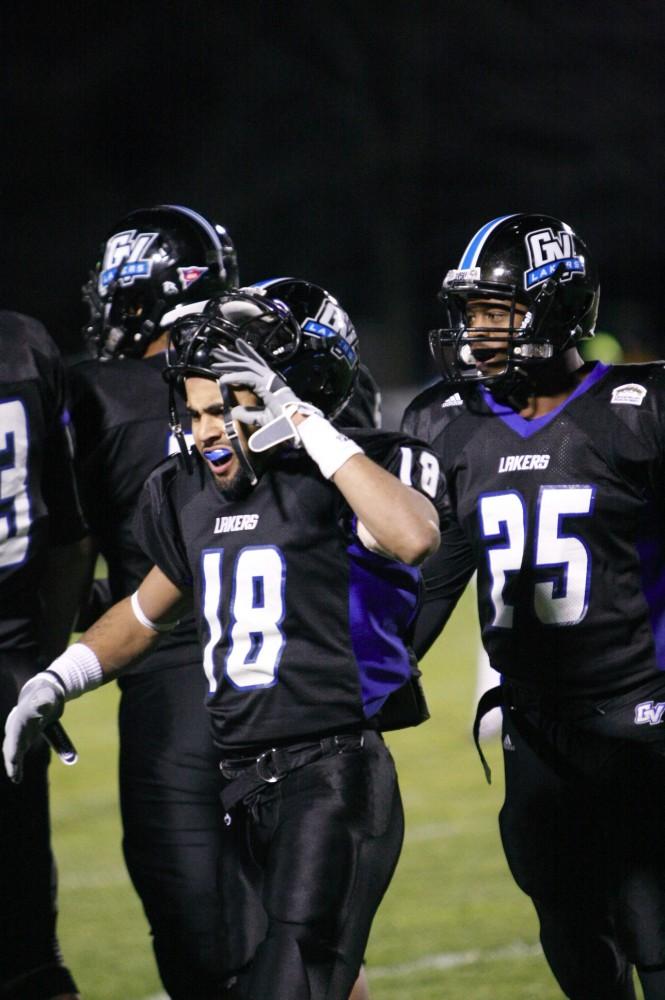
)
(66, 523)
(445, 576)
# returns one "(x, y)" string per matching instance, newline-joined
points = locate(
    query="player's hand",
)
(245, 366)
(40, 702)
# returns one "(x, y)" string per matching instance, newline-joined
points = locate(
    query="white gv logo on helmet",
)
(546, 250)
(125, 260)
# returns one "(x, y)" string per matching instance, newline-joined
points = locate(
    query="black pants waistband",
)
(247, 774)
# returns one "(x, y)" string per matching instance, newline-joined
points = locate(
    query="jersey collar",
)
(526, 428)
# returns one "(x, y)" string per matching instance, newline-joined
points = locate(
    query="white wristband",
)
(329, 448)
(77, 669)
(140, 616)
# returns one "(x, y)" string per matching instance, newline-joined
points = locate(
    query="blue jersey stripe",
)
(470, 255)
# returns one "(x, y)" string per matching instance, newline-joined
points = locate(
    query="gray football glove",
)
(40, 703)
(245, 366)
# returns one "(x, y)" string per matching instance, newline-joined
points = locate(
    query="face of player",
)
(488, 323)
(206, 409)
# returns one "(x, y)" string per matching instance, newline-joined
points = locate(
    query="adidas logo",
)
(508, 743)
(454, 400)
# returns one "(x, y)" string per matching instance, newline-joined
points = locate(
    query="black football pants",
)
(31, 966)
(583, 828)
(304, 865)
(172, 819)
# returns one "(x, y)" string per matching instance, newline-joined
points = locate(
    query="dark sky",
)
(356, 144)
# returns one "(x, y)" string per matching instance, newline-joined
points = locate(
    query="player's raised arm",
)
(393, 517)
(126, 631)
(398, 520)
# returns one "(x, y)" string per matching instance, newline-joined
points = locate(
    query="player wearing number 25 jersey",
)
(276, 530)
(41, 556)
(559, 515)
(556, 472)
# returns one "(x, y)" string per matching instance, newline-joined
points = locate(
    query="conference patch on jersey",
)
(547, 250)
(188, 275)
(125, 258)
(631, 394)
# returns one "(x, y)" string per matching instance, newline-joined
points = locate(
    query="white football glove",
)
(40, 702)
(245, 366)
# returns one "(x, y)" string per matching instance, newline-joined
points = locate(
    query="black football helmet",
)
(151, 261)
(535, 262)
(324, 367)
(298, 328)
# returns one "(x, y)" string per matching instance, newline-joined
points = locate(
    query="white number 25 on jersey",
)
(564, 599)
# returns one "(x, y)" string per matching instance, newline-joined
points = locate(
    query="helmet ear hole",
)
(151, 261)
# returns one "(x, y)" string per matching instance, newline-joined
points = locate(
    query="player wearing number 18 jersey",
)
(278, 530)
(556, 470)
(168, 764)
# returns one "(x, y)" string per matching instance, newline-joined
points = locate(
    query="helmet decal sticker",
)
(547, 250)
(188, 275)
(125, 258)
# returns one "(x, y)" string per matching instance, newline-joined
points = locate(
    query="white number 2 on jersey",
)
(256, 611)
(562, 600)
(15, 515)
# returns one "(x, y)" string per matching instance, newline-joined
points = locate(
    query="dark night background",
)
(356, 144)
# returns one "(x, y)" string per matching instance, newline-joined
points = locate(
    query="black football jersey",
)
(38, 500)
(562, 516)
(303, 630)
(119, 411)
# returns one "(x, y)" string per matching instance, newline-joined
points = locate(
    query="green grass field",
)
(453, 925)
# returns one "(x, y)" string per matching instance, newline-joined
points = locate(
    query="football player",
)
(557, 470)
(320, 361)
(168, 791)
(151, 262)
(42, 566)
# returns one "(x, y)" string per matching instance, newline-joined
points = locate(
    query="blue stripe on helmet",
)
(470, 255)
(267, 281)
(205, 224)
